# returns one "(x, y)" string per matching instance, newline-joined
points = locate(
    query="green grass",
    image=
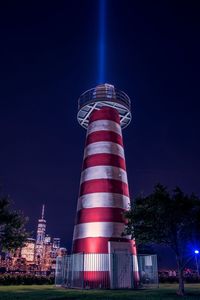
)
(47, 292)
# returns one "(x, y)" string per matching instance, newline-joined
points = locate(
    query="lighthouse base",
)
(117, 270)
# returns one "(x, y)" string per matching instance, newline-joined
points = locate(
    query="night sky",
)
(49, 56)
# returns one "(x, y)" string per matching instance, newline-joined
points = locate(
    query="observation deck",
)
(101, 96)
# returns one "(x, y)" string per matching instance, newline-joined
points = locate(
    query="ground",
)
(47, 292)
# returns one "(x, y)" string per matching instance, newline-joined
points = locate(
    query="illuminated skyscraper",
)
(41, 231)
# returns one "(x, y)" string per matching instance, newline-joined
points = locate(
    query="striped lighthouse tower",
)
(104, 192)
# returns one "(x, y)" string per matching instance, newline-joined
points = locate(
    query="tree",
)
(167, 219)
(12, 226)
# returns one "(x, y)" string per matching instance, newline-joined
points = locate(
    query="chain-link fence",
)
(148, 270)
(106, 271)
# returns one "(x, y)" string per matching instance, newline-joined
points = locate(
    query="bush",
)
(18, 279)
(173, 279)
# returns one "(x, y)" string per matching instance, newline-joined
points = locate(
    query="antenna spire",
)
(43, 206)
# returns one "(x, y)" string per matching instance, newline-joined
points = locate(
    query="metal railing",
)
(148, 270)
(104, 93)
(106, 271)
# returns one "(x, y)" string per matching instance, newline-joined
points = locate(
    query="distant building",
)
(56, 243)
(47, 262)
(28, 251)
(62, 251)
(47, 239)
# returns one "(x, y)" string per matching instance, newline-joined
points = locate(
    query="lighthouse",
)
(104, 193)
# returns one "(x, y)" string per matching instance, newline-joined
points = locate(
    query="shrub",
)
(18, 279)
(174, 279)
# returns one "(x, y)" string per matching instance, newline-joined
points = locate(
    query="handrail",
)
(102, 93)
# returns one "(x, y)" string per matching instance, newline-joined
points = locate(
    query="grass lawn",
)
(48, 292)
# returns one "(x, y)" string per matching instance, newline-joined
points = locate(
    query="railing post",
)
(113, 270)
(132, 275)
(156, 269)
(83, 270)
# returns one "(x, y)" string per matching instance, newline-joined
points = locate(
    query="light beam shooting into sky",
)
(102, 16)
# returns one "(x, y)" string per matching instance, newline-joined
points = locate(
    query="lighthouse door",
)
(121, 275)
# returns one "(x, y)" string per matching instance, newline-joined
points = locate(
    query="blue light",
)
(196, 251)
(102, 17)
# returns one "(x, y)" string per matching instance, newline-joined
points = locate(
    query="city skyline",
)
(49, 56)
(38, 253)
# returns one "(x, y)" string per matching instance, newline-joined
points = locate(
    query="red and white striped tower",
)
(104, 192)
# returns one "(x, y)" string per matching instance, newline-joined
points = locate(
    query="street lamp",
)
(196, 252)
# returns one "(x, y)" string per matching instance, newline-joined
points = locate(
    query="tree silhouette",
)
(168, 219)
(12, 226)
